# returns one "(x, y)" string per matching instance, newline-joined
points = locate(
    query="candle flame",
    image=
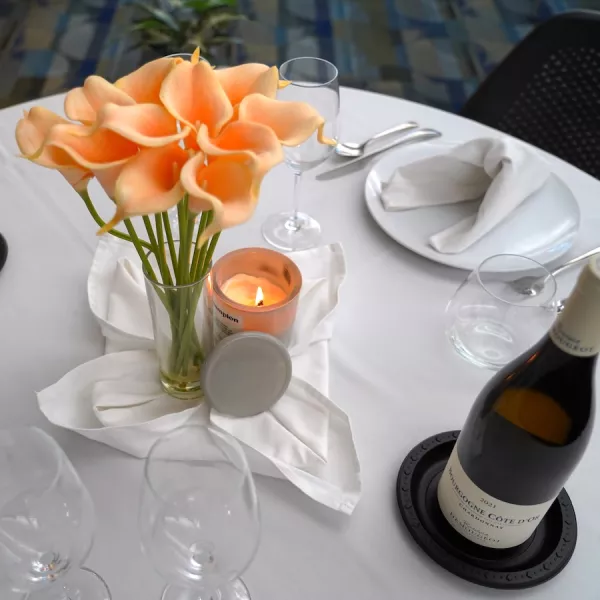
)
(260, 297)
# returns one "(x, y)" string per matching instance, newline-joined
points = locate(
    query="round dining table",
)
(391, 369)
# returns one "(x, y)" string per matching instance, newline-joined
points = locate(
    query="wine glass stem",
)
(294, 222)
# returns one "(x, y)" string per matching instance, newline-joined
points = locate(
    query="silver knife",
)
(414, 136)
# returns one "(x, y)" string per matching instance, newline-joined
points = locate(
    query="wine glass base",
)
(234, 590)
(81, 584)
(482, 352)
(292, 231)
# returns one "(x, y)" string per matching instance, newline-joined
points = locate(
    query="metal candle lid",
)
(246, 374)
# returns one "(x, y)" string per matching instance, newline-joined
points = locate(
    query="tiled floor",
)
(431, 51)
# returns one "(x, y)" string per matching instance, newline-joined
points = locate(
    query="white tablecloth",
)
(392, 370)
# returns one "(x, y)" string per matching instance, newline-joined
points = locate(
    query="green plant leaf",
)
(216, 21)
(153, 37)
(148, 24)
(161, 15)
(206, 5)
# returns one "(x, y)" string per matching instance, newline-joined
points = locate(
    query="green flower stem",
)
(173, 295)
(178, 320)
(160, 238)
(135, 240)
(170, 242)
(188, 325)
(186, 306)
(201, 228)
(156, 250)
(118, 234)
(160, 244)
(187, 268)
(209, 254)
(186, 341)
(150, 231)
(204, 249)
(189, 345)
(182, 264)
(189, 235)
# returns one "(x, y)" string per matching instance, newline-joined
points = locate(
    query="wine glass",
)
(199, 517)
(46, 520)
(314, 81)
(490, 320)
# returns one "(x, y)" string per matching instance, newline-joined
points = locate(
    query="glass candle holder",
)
(255, 289)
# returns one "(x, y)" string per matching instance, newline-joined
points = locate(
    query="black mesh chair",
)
(547, 90)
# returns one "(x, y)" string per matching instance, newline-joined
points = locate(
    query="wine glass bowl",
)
(315, 82)
(46, 520)
(199, 518)
(490, 321)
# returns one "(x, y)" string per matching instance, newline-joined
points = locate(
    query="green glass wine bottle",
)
(528, 429)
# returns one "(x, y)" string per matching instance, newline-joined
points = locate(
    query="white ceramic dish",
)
(543, 228)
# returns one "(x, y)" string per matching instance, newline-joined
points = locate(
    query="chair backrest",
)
(547, 90)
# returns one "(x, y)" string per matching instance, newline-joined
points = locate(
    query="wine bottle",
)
(527, 429)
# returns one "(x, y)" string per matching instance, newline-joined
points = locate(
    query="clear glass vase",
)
(181, 321)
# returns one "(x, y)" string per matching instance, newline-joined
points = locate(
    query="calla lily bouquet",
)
(174, 133)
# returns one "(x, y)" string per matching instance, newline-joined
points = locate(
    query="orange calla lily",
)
(144, 124)
(246, 141)
(77, 178)
(292, 122)
(198, 200)
(148, 184)
(33, 128)
(144, 84)
(193, 95)
(107, 178)
(90, 148)
(83, 103)
(31, 132)
(251, 78)
(191, 141)
(228, 187)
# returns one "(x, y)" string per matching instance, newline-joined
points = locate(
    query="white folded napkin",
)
(502, 172)
(117, 398)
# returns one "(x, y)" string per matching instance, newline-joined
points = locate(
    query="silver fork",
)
(532, 286)
(353, 150)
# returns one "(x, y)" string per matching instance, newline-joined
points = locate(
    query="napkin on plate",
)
(501, 172)
(117, 398)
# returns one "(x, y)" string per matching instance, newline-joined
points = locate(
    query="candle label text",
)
(224, 324)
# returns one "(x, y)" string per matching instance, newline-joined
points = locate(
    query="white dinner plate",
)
(543, 227)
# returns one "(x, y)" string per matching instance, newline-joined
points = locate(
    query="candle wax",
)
(242, 288)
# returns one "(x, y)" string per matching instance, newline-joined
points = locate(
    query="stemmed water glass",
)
(199, 518)
(46, 521)
(314, 81)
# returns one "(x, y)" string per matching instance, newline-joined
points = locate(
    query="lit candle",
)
(252, 291)
(255, 289)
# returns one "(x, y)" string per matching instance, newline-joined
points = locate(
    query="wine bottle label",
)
(577, 329)
(576, 335)
(481, 518)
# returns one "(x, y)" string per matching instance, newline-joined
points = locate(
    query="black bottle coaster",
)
(543, 556)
